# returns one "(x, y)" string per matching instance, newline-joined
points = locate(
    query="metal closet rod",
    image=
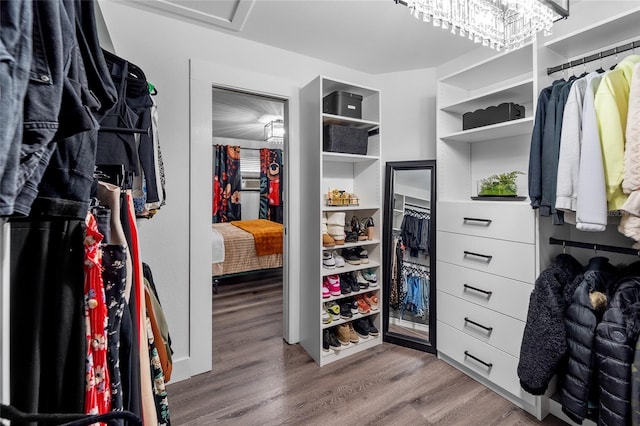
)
(596, 247)
(594, 57)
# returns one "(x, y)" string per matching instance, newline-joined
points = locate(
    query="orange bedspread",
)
(267, 234)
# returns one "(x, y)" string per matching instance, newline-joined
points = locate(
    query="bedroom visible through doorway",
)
(248, 185)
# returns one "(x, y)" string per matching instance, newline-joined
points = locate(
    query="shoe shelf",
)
(375, 241)
(369, 289)
(339, 321)
(350, 268)
(350, 349)
(321, 173)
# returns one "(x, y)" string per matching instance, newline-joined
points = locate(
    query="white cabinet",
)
(358, 174)
(486, 250)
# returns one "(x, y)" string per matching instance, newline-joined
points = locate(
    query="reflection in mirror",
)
(409, 265)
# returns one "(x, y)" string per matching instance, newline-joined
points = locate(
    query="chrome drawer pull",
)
(485, 292)
(488, 329)
(485, 222)
(487, 258)
(489, 365)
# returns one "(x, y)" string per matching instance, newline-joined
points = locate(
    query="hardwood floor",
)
(259, 379)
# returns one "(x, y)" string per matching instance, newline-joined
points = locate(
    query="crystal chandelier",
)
(500, 24)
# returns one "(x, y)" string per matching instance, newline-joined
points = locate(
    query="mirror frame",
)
(392, 337)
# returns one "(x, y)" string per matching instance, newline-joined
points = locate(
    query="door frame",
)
(204, 75)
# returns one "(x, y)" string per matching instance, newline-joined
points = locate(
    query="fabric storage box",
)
(492, 115)
(343, 103)
(345, 139)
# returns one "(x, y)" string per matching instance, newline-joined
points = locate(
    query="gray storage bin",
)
(345, 139)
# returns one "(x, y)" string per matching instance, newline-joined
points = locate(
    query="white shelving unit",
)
(478, 240)
(353, 173)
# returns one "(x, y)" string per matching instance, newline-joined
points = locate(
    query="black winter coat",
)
(544, 342)
(615, 345)
(634, 323)
(577, 386)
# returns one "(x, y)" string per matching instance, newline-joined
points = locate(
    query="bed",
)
(246, 246)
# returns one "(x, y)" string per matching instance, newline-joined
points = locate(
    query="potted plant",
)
(499, 185)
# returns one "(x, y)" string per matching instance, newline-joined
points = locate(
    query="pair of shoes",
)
(363, 306)
(328, 261)
(333, 309)
(345, 310)
(343, 335)
(349, 279)
(361, 327)
(327, 240)
(335, 226)
(369, 227)
(351, 256)
(372, 300)
(333, 284)
(326, 317)
(362, 254)
(329, 340)
(370, 275)
(373, 331)
(362, 283)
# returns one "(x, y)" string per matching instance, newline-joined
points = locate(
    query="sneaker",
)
(345, 285)
(339, 260)
(345, 311)
(362, 254)
(350, 279)
(361, 327)
(327, 260)
(333, 341)
(353, 336)
(342, 333)
(353, 305)
(333, 309)
(326, 317)
(373, 331)
(325, 340)
(350, 256)
(333, 283)
(325, 290)
(370, 275)
(372, 300)
(362, 283)
(363, 307)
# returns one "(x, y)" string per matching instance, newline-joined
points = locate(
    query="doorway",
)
(248, 184)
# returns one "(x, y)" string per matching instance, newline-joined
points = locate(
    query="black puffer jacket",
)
(577, 386)
(633, 328)
(544, 341)
(615, 344)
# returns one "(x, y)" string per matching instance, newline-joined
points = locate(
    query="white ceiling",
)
(373, 36)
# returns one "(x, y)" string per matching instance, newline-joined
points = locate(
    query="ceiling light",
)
(499, 24)
(274, 132)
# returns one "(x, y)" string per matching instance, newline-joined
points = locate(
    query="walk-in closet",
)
(308, 212)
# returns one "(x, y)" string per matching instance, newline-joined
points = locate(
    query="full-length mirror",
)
(409, 251)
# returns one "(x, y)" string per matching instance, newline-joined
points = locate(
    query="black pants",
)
(47, 335)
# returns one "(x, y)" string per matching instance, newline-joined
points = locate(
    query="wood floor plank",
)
(259, 379)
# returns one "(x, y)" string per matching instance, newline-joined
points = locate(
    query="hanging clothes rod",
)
(417, 206)
(594, 57)
(596, 247)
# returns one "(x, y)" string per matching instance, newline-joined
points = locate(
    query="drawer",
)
(505, 258)
(502, 369)
(491, 327)
(505, 221)
(504, 295)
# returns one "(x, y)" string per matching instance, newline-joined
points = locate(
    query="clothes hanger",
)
(600, 70)
(615, 51)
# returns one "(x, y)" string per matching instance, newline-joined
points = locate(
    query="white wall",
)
(162, 47)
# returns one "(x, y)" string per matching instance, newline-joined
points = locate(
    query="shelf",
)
(349, 208)
(505, 65)
(348, 121)
(519, 92)
(348, 158)
(358, 244)
(507, 129)
(613, 30)
(350, 268)
(350, 349)
(344, 296)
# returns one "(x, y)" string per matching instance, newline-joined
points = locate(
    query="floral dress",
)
(98, 388)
